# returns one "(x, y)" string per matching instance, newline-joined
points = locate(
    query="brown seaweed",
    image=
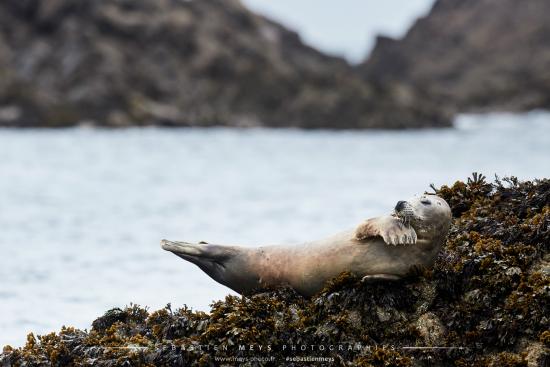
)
(485, 303)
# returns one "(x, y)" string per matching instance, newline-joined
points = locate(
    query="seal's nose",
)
(400, 205)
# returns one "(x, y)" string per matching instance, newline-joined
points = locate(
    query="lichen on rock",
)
(485, 303)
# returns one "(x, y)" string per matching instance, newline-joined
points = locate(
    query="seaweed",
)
(484, 303)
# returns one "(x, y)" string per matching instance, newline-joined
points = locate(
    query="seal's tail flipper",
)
(198, 253)
(225, 264)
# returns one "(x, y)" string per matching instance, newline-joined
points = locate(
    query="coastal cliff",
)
(485, 303)
(215, 63)
(472, 56)
(181, 63)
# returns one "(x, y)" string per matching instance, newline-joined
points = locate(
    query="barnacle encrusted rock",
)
(485, 303)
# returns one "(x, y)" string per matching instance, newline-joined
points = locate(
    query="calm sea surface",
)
(82, 211)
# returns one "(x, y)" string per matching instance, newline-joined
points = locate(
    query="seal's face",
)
(428, 215)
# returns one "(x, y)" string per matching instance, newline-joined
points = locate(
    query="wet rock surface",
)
(485, 303)
(181, 63)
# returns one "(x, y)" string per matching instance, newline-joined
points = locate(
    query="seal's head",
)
(429, 215)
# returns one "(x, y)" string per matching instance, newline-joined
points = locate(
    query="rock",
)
(182, 63)
(472, 55)
(430, 328)
(467, 302)
(537, 355)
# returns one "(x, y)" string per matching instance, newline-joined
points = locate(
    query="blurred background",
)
(239, 122)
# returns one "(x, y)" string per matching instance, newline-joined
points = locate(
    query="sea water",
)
(82, 211)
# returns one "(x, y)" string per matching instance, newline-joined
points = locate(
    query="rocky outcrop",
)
(472, 55)
(213, 62)
(485, 303)
(181, 63)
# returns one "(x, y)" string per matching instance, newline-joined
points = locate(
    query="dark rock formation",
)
(472, 55)
(181, 63)
(487, 299)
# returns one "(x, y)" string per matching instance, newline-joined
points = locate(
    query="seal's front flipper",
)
(377, 277)
(391, 229)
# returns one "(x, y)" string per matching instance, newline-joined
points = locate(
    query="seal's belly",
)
(309, 266)
(374, 257)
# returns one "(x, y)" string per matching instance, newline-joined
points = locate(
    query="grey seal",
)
(385, 248)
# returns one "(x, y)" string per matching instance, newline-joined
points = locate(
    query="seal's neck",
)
(431, 236)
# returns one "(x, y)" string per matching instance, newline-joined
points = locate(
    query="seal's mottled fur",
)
(386, 247)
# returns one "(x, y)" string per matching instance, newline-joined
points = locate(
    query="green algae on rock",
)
(485, 303)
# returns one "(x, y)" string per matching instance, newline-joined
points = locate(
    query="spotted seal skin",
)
(381, 248)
